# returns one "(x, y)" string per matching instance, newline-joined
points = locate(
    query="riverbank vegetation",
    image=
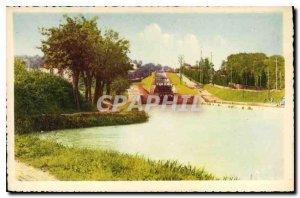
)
(84, 120)
(180, 87)
(239, 95)
(44, 102)
(74, 164)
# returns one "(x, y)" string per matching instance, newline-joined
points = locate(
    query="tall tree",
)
(112, 62)
(71, 46)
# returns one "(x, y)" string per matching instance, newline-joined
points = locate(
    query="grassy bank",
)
(180, 87)
(148, 81)
(84, 120)
(91, 165)
(244, 95)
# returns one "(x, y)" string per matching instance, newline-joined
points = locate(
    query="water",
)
(225, 141)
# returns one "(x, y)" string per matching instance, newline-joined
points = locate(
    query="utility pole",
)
(201, 54)
(260, 80)
(180, 60)
(269, 82)
(279, 80)
(244, 87)
(202, 76)
(211, 69)
(200, 68)
(254, 73)
(231, 74)
(246, 74)
(276, 71)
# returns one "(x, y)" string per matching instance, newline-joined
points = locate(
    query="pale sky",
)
(161, 37)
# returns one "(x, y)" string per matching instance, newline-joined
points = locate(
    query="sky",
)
(161, 37)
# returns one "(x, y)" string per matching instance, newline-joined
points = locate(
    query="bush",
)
(38, 93)
(83, 120)
(42, 101)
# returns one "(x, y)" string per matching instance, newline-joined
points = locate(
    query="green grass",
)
(148, 81)
(180, 87)
(71, 164)
(248, 96)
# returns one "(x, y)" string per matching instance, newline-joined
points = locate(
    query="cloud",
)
(154, 45)
(220, 40)
(190, 48)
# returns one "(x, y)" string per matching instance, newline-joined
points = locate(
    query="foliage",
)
(244, 95)
(72, 46)
(77, 45)
(181, 88)
(250, 69)
(33, 62)
(255, 69)
(84, 120)
(202, 72)
(37, 93)
(120, 85)
(74, 164)
(19, 70)
(111, 63)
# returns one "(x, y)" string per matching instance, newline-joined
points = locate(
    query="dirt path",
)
(188, 82)
(208, 97)
(205, 95)
(136, 90)
(25, 172)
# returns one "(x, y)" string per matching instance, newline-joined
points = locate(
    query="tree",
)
(112, 62)
(20, 70)
(204, 75)
(256, 69)
(251, 69)
(71, 46)
(119, 85)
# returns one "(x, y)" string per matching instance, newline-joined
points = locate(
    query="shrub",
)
(83, 120)
(37, 93)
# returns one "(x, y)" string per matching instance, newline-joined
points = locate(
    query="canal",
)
(225, 141)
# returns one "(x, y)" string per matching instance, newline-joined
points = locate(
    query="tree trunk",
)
(51, 71)
(89, 86)
(61, 73)
(84, 76)
(75, 81)
(98, 90)
(96, 93)
(107, 88)
(87, 79)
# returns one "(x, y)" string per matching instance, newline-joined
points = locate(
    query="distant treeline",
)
(247, 69)
(201, 72)
(144, 70)
(33, 62)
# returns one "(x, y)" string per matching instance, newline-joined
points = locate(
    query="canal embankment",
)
(79, 164)
(215, 94)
